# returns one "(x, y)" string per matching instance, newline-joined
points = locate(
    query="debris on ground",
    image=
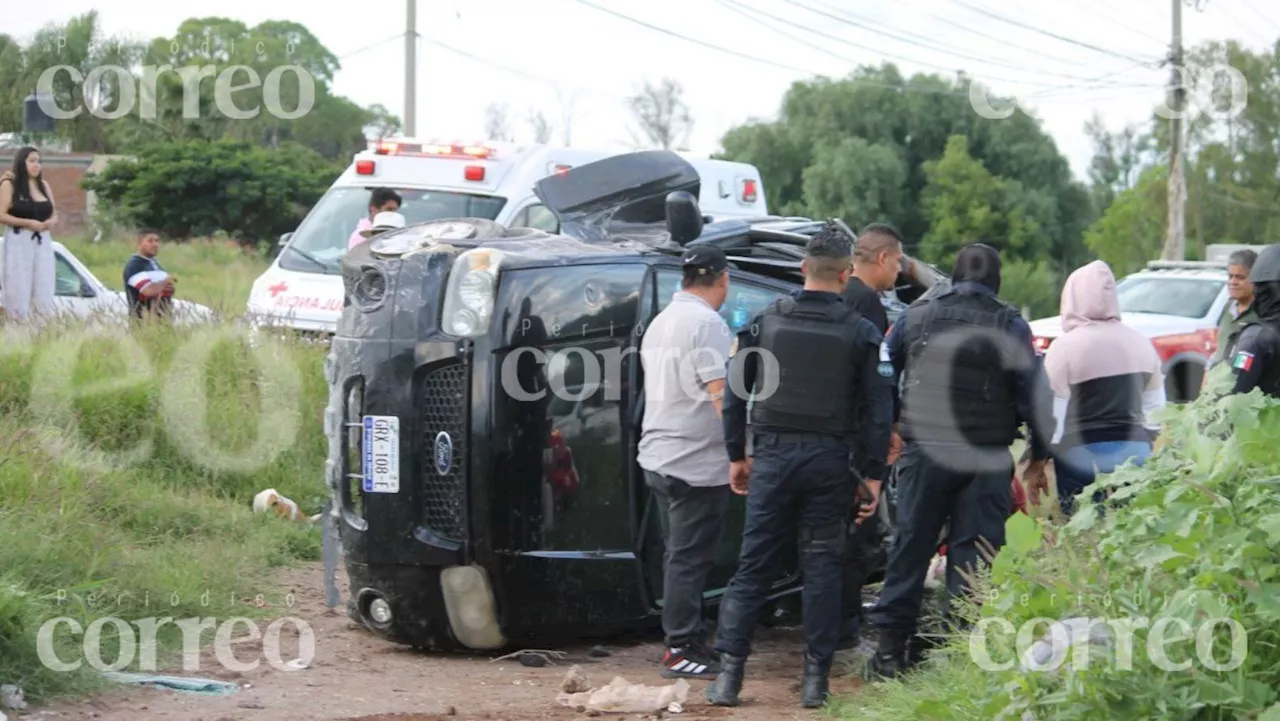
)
(622, 696)
(176, 683)
(1064, 637)
(599, 652)
(533, 658)
(12, 698)
(575, 682)
(270, 500)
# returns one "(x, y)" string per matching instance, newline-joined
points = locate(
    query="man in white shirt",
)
(685, 352)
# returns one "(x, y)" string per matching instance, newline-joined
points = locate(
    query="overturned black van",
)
(485, 397)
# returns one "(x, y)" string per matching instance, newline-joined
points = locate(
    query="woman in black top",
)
(27, 214)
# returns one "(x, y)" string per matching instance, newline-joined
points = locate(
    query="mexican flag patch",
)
(1243, 361)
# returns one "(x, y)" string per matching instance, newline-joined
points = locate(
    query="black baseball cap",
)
(707, 259)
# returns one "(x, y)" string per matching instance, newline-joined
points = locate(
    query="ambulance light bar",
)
(437, 150)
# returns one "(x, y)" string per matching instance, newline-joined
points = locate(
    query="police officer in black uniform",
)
(810, 360)
(971, 379)
(1255, 359)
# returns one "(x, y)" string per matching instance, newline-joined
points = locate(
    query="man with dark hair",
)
(971, 380)
(1255, 354)
(147, 286)
(381, 200)
(877, 261)
(808, 363)
(684, 352)
(1241, 311)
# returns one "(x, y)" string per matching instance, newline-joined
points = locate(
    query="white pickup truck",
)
(1178, 305)
(78, 293)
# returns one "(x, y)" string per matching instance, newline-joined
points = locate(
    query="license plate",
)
(381, 454)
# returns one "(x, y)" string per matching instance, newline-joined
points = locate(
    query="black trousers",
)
(799, 485)
(692, 518)
(936, 485)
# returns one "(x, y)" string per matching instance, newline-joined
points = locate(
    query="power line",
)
(695, 41)
(1032, 28)
(1254, 9)
(894, 35)
(371, 46)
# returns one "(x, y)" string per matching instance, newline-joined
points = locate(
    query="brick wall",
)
(63, 172)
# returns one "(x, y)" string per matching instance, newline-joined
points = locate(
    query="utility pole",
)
(411, 68)
(1175, 241)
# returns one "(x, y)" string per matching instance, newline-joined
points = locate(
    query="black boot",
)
(725, 689)
(918, 646)
(891, 656)
(814, 687)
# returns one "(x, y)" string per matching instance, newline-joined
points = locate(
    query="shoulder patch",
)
(1243, 361)
(885, 369)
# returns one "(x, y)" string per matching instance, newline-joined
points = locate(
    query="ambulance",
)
(302, 290)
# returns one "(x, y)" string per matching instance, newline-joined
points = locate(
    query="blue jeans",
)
(1075, 467)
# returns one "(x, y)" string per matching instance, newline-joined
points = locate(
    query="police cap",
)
(1266, 269)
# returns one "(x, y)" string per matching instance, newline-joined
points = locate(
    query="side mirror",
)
(284, 239)
(684, 219)
(87, 291)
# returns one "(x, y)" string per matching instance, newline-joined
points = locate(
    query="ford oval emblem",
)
(444, 453)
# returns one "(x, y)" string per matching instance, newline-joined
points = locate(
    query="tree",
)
(1131, 232)
(661, 115)
(497, 122)
(540, 126)
(196, 187)
(384, 124)
(166, 107)
(860, 145)
(1118, 159)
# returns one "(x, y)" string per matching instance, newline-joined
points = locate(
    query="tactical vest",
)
(814, 350)
(957, 386)
(1270, 380)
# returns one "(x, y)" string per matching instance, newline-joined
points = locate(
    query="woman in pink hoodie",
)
(1106, 379)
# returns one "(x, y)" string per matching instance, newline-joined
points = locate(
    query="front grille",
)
(443, 405)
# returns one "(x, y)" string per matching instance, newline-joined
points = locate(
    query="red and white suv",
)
(1176, 304)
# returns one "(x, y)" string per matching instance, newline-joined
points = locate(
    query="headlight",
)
(370, 289)
(469, 297)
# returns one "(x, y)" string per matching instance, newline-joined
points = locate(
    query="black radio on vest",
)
(814, 344)
(957, 386)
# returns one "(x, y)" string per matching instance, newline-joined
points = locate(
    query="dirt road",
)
(357, 677)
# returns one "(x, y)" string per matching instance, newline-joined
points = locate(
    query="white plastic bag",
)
(622, 696)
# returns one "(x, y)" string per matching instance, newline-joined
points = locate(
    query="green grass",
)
(128, 463)
(213, 272)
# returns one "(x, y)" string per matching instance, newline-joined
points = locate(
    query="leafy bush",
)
(198, 187)
(1191, 537)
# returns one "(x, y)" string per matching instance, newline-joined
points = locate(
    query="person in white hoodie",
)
(1107, 381)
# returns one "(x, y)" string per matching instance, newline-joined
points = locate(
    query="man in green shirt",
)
(1241, 310)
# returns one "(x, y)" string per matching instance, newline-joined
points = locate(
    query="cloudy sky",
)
(736, 57)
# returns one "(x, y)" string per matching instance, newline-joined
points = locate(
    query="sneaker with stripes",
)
(689, 663)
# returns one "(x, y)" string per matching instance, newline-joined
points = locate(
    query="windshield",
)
(1182, 297)
(322, 237)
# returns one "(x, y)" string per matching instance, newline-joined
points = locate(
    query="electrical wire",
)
(1046, 33)
(1254, 9)
(695, 41)
(909, 41)
(371, 46)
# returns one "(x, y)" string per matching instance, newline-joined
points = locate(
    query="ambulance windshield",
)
(327, 232)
